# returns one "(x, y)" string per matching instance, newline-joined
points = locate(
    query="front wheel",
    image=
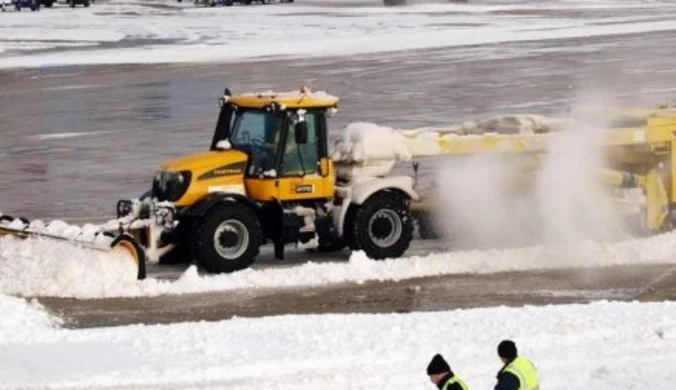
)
(228, 239)
(382, 227)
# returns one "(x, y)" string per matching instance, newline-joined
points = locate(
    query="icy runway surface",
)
(604, 343)
(127, 31)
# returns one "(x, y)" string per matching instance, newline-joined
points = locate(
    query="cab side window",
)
(302, 159)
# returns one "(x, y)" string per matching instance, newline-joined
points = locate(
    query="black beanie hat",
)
(438, 366)
(507, 349)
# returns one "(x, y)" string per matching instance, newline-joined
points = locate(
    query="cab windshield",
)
(258, 134)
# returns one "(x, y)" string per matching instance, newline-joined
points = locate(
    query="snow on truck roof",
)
(302, 98)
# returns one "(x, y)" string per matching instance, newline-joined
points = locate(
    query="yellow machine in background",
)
(639, 152)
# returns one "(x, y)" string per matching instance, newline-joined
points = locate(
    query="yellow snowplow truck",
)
(269, 177)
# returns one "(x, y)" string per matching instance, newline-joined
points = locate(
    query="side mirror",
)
(301, 132)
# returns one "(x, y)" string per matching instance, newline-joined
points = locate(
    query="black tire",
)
(228, 218)
(265, 1)
(48, 3)
(86, 4)
(229, 3)
(384, 217)
(247, 2)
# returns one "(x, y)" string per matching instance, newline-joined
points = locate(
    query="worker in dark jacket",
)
(441, 375)
(518, 373)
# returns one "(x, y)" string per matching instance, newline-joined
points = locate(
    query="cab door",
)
(305, 171)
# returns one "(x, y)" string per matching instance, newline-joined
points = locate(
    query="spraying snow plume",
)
(495, 199)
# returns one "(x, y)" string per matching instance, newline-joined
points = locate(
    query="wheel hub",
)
(385, 228)
(228, 239)
(231, 239)
(382, 227)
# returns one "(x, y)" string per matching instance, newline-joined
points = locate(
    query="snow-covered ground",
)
(161, 31)
(44, 268)
(604, 345)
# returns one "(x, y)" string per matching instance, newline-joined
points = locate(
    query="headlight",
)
(170, 186)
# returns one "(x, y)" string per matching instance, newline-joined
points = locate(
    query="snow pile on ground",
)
(604, 344)
(131, 31)
(23, 321)
(44, 267)
(86, 234)
(41, 268)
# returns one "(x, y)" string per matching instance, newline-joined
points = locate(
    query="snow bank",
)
(121, 32)
(604, 343)
(42, 267)
(21, 320)
(36, 267)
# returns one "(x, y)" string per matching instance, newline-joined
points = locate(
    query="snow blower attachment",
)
(89, 237)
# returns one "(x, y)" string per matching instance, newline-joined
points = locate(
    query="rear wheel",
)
(382, 227)
(228, 239)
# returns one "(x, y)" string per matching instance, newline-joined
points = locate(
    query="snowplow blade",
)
(124, 243)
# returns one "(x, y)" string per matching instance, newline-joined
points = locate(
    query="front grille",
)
(168, 187)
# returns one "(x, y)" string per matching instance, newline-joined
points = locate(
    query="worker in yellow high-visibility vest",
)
(441, 375)
(518, 373)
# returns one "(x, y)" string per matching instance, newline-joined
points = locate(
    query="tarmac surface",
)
(626, 283)
(76, 139)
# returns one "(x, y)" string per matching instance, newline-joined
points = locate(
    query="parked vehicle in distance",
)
(34, 5)
(228, 3)
(73, 3)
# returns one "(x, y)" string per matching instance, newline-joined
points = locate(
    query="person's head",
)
(437, 369)
(507, 350)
